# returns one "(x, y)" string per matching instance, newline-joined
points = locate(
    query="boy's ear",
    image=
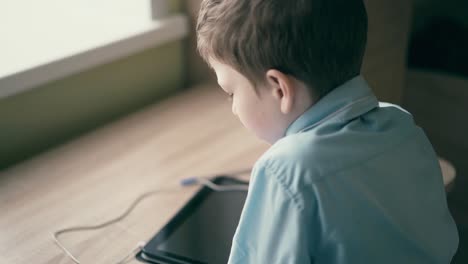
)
(282, 88)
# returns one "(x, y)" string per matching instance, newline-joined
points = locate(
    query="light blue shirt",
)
(353, 181)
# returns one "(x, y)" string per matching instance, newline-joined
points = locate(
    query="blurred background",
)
(68, 67)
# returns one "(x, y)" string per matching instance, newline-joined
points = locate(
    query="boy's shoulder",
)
(340, 144)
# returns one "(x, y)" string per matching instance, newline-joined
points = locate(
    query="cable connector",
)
(189, 181)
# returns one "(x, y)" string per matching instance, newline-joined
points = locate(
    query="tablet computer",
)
(202, 231)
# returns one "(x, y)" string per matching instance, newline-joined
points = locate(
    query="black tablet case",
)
(202, 231)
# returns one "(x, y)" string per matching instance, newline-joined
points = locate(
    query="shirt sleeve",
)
(274, 226)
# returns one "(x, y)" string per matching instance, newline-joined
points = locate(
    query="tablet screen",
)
(204, 228)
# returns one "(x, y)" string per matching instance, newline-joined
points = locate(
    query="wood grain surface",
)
(96, 177)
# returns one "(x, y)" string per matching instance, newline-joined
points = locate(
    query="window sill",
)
(104, 43)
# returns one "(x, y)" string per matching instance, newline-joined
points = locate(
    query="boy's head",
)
(317, 44)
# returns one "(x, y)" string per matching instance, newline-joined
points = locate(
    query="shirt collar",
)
(348, 101)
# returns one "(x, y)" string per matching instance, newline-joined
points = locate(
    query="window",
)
(49, 39)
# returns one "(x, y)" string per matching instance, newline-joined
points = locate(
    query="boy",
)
(346, 180)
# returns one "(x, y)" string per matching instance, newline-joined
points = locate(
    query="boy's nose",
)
(233, 109)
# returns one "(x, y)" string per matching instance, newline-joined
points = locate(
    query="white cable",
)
(102, 225)
(220, 188)
(132, 253)
(187, 182)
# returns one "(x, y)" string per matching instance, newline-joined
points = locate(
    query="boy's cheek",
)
(260, 127)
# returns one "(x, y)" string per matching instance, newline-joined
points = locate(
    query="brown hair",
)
(319, 42)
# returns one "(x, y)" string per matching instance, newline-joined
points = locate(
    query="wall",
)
(424, 9)
(385, 59)
(53, 113)
(197, 70)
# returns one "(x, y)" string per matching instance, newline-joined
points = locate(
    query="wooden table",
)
(94, 178)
